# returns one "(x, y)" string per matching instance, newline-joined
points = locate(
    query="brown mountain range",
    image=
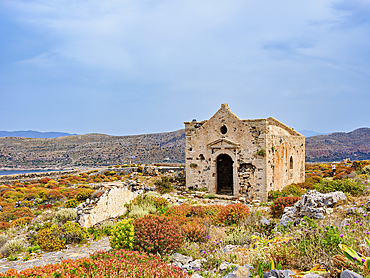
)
(100, 149)
(354, 145)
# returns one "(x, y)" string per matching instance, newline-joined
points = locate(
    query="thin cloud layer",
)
(130, 67)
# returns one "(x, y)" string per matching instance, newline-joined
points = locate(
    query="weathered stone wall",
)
(260, 150)
(109, 205)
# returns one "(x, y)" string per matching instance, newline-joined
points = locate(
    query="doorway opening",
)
(224, 175)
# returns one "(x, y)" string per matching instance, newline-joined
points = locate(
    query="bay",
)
(4, 173)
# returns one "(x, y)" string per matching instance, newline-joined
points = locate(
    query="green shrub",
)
(72, 203)
(138, 211)
(292, 190)
(49, 239)
(163, 184)
(83, 195)
(233, 214)
(28, 204)
(156, 234)
(3, 240)
(280, 204)
(123, 235)
(63, 215)
(160, 202)
(209, 196)
(55, 238)
(72, 232)
(273, 195)
(152, 194)
(14, 246)
(261, 152)
(345, 185)
(140, 206)
(236, 235)
(366, 170)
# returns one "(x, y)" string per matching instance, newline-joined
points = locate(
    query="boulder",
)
(313, 205)
(239, 272)
(349, 274)
(177, 257)
(312, 275)
(278, 274)
(265, 221)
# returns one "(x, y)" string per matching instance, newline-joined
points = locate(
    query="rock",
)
(313, 204)
(343, 223)
(329, 211)
(195, 276)
(278, 273)
(349, 274)
(239, 272)
(196, 265)
(312, 275)
(187, 267)
(285, 220)
(224, 266)
(199, 194)
(318, 216)
(265, 221)
(242, 199)
(177, 257)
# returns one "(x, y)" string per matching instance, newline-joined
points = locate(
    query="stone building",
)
(243, 158)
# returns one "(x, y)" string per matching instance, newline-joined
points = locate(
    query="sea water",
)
(3, 173)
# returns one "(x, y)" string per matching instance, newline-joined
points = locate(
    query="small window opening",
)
(291, 162)
(201, 156)
(223, 129)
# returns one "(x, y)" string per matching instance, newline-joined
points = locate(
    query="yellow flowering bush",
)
(123, 235)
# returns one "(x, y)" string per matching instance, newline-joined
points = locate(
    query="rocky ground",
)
(44, 258)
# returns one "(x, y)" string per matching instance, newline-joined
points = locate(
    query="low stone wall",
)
(109, 205)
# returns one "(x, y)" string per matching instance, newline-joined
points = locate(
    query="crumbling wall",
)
(109, 205)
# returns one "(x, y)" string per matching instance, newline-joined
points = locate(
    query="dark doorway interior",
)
(224, 175)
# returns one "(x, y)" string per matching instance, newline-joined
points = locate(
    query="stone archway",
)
(224, 175)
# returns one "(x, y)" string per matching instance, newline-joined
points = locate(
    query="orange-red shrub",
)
(156, 234)
(194, 232)
(4, 225)
(120, 263)
(182, 211)
(20, 221)
(45, 180)
(233, 214)
(280, 204)
(23, 212)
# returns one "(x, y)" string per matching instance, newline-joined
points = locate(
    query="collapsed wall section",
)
(110, 205)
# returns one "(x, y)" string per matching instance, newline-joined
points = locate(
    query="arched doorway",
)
(224, 175)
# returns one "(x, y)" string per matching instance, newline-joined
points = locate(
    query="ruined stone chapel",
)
(243, 158)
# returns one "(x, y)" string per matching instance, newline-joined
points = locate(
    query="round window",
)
(223, 129)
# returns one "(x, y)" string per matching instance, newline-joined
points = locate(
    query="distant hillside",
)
(101, 149)
(91, 150)
(336, 146)
(310, 133)
(33, 134)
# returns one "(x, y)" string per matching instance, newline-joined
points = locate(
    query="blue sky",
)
(132, 67)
